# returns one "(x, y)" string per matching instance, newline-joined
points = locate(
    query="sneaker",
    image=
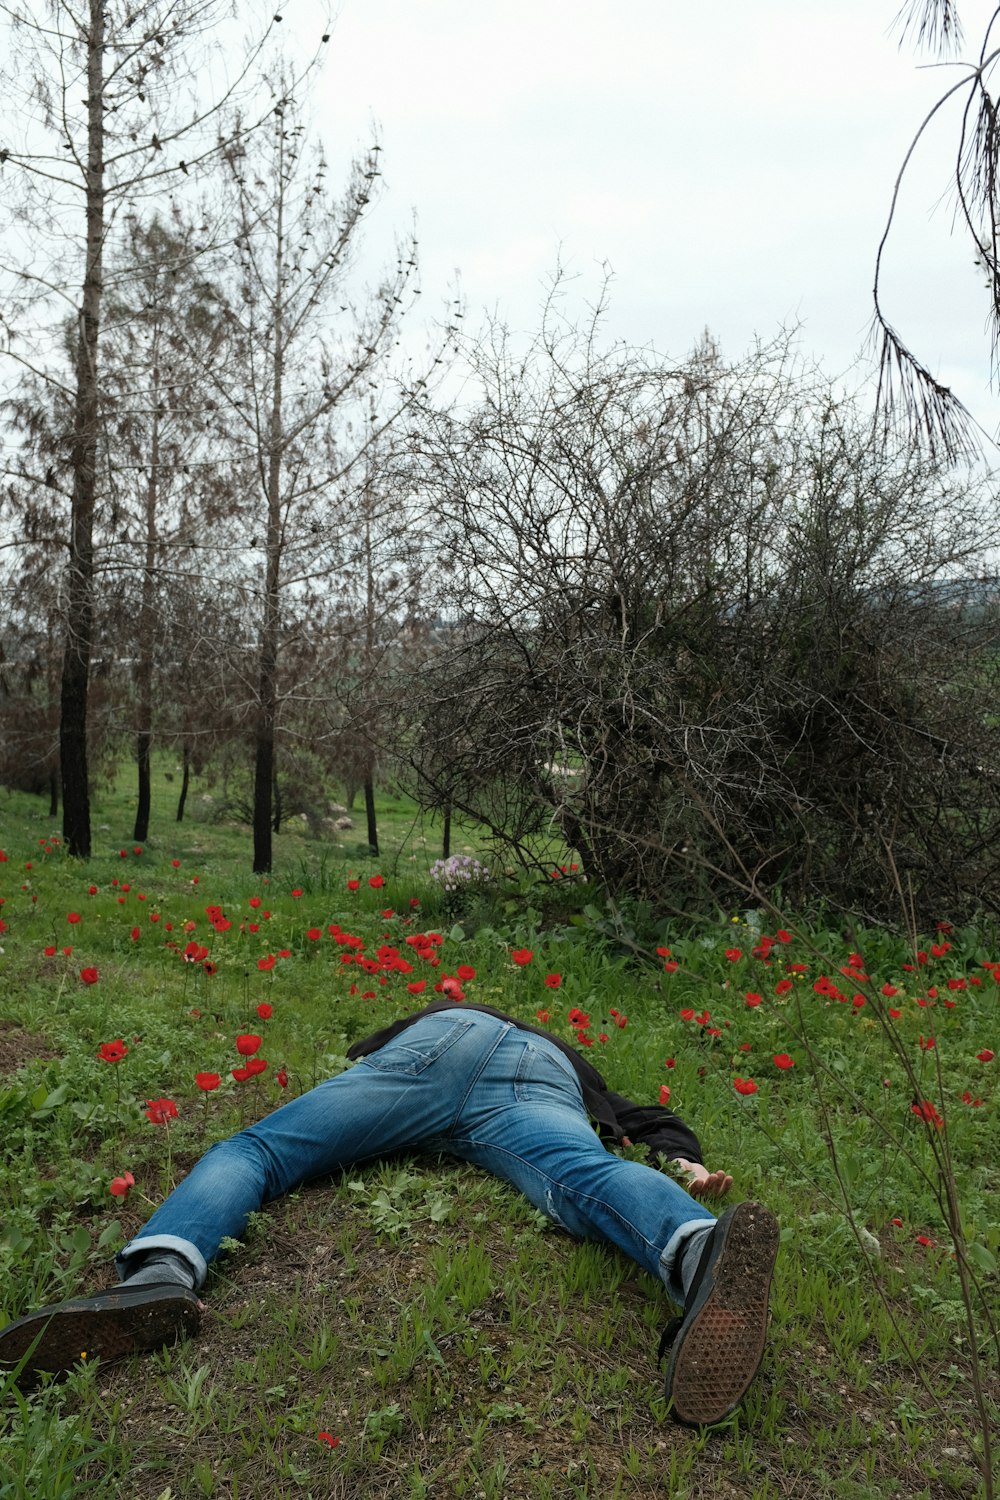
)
(718, 1344)
(110, 1325)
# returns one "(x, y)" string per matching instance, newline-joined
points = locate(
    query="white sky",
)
(733, 161)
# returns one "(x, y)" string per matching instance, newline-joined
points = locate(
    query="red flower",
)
(135, 934)
(783, 936)
(50, 950)
(92, 890)
(266, 963)
(926, 1111)
(314, 934)
(207, 1081)
(282, 1077)
(176, 863)
(161, 1110)
(522, 956)
(417, 986)
(89, 975)
(553, 981)
(73, 916)
(255, 1065)
(254, 902)
(744, 1085)
(297, 891)
(782, 1060)
(352, 885)
(543, 1016)
(265, 1011)
(120, 1185)
(240, 1074)
(670, 1062)
(925, 1239)
(752, 998)
(782, 987)
(376, 882)
(210, 968)
(112, 1051)
(926, 1043)
(664, 1093)
(465, 971)
(328, 1439)
(968, 1099)
(247, 1043)
(985, 1056)
(734, 954)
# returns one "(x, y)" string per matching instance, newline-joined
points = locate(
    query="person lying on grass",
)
(467, 1081)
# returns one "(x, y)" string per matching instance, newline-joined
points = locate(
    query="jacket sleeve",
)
(665, 1133)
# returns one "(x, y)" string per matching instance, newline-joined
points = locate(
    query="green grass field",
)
(416, 1329)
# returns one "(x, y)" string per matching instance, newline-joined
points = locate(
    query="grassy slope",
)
(418, 1311)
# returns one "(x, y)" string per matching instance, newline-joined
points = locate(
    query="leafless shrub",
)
(766, 648)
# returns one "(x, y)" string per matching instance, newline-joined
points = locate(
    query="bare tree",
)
(911, 402)
(310, 363)
(705, 636)
(164, 325)
(105, 111)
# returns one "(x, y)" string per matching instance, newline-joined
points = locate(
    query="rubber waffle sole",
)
(720, 1346)
(58, 1338)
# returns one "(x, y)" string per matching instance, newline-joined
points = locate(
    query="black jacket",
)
(616, 1117)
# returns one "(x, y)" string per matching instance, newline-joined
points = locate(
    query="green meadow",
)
(415, 1329)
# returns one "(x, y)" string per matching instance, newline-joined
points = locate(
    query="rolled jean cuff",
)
(672, 1253)
(171, 1242)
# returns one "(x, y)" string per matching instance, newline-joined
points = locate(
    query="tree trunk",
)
(446, 841)
(370, 815)
(144, 670)
(267, 685)
(185, 781)
(276, 794)
(53, 793)
(80, 578)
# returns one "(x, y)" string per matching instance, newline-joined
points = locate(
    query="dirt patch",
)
(18, 1047)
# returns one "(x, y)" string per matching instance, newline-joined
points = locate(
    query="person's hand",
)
(701, 1182)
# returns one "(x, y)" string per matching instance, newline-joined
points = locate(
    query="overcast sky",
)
(733, 163)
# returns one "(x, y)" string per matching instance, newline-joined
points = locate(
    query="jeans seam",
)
(484, 1061)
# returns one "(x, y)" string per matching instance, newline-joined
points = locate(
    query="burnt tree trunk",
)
(144, 671)
(370, 817)
(185, 783)
(80, 577)
(267, 682)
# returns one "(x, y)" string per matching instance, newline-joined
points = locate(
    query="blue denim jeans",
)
(461, 1083)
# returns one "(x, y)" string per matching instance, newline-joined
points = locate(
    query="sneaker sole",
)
(108, 1326)
(720, 1345)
